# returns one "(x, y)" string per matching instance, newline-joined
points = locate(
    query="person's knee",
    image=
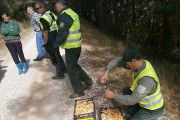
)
(127, 91)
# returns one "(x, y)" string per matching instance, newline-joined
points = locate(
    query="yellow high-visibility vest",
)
(52, 22)
(155, 100)
(73, 40)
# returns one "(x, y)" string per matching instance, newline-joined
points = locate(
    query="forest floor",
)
(35, 96)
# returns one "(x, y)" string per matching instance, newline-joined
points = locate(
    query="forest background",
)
(150, 25)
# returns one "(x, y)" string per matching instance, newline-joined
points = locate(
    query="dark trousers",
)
(139, 113)
(16, 50)
(56, 60)
(75, 72)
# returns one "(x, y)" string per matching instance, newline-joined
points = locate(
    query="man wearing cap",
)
(49, 27)
(144, 98)
(69, 37)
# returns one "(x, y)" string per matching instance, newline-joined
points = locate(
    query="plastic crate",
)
(110, 108)
(86, 116)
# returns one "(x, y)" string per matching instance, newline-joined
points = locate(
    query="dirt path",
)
(35, 96)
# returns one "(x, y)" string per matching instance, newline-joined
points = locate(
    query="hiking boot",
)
(65, 71)
(58, 77)
(74, 95)
(87, 86)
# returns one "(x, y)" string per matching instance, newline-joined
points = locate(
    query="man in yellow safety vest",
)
(69, 38)
(49, 27)
(144, 97)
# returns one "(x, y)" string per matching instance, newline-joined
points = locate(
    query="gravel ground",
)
(14, 88)
(35, 96)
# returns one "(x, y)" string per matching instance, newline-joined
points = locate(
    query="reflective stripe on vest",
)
(73, 32)
(48, 16)
(50, 21)
(154, 103)
(73, 40)
(151, 98)
(155, 100)
(52, 27)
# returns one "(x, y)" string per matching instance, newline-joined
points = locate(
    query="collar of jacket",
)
(65, 8)
(45, 11)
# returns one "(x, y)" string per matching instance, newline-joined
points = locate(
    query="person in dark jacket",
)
(49, 28)
(10, 29)
(69, 38)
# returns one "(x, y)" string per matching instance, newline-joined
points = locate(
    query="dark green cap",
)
(62, 1)
(128, 55)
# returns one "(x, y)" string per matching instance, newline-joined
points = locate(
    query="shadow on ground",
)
(47, 99)
(2, 71)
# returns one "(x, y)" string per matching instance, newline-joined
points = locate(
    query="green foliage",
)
(167, 8)
(26, 24)
(16, 8)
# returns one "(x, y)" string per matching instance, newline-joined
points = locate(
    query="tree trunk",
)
(102, 16)
(80, 10)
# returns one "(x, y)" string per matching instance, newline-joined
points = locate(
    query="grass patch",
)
(26, 24)
(102, 49)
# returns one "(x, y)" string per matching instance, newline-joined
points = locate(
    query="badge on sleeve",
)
(140, 89)
(61, 25)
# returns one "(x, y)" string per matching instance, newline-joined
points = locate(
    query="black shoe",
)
(38, 59)
(65, 71)
(58, 77)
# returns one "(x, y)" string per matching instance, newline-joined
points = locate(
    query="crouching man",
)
(144, 97)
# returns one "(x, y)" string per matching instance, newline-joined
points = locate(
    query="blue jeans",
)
(39, 44)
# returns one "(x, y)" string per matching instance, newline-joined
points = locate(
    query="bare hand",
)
(105, 76)
(109, 94)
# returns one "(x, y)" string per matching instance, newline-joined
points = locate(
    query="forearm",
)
(113, 63)
(127, 99)
(45, 36)
(60, 38)
(145, 87)
(4, 31)
(14, 32)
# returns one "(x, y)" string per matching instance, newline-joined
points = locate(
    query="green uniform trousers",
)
(75, 72)
(139, 113)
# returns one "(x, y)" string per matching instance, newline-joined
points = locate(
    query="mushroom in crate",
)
(115, 114)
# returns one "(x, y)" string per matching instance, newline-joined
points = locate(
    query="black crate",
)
(87, 116)
(91, 117)
(111, 108)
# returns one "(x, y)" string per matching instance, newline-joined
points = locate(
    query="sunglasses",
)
(37, 8)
